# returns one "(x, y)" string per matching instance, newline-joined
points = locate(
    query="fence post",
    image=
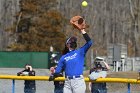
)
(13, 86)
(129, 88)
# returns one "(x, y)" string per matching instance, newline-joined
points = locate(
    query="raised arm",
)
(106, 65)
(85, 35)
(88, 41)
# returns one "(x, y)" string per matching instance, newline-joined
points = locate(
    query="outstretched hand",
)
(78, 22)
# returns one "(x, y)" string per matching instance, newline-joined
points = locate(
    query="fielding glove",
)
(78, 22)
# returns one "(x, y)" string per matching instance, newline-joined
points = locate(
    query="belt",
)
(73, 77)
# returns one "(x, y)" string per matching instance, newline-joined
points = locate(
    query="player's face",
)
(68, 45)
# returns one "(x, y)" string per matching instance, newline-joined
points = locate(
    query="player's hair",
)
(73, 45)
(65, 50)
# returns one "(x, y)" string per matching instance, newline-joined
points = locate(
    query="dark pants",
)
(99, 91)
(58, 90)
(98, 88)
(29, 90)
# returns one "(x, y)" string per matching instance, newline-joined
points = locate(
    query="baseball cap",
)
(99, 59)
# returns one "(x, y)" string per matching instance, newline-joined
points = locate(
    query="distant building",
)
(117, 55)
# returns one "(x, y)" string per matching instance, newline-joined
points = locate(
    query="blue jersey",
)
(73, 61)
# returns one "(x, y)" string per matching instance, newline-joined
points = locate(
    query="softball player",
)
(73, 61)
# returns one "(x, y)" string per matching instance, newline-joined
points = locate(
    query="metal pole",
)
(133, 60)
(123, 61)
(13, 86)
(129, 91)
(91, 62)
(117, 66)
(114, 64)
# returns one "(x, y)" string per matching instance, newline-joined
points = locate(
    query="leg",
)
(103, 91)
(95, 91)
(29, 90)
(26, 90)
(78, 85)
(58, 90)
(33, 91)
(67, 87)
